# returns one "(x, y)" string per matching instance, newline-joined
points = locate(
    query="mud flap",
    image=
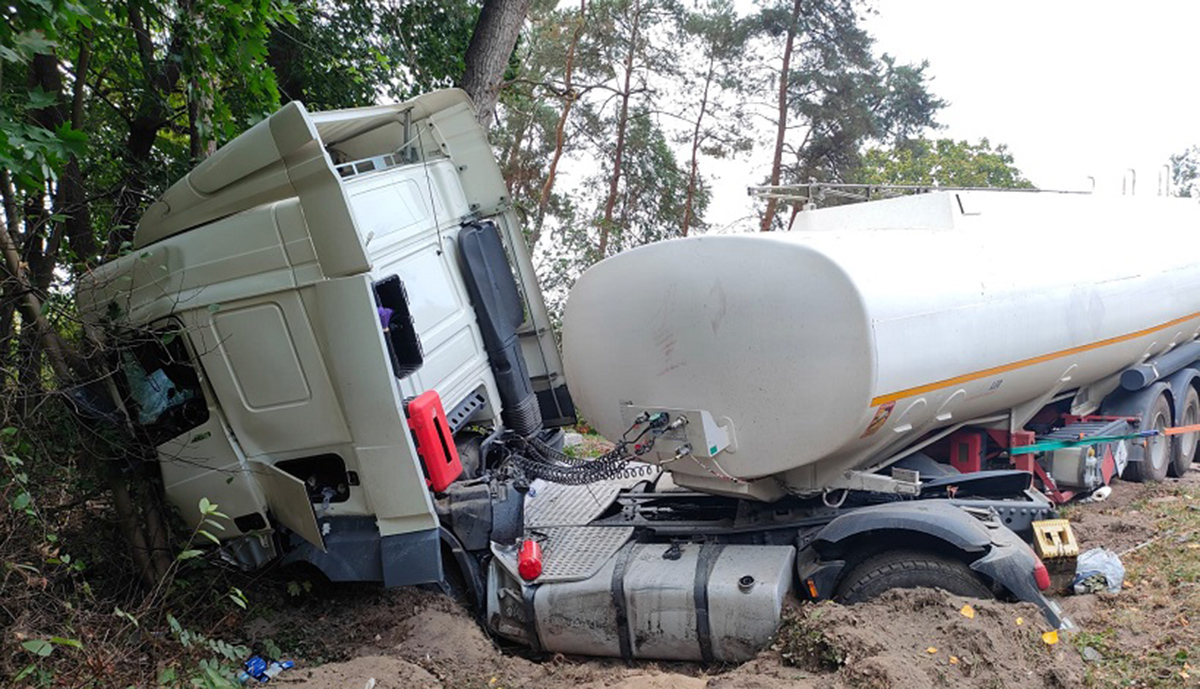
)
(1010, 564)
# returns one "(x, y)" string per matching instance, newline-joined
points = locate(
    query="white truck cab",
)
(289, 295)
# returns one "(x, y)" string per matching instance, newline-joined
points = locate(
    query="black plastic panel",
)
(499, 311)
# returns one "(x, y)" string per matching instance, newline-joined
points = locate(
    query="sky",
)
(1074, 89)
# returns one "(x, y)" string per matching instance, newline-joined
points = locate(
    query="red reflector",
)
(1040, 574)
(435, 444)
(529, 561)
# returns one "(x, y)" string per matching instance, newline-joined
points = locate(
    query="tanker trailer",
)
(959, 323)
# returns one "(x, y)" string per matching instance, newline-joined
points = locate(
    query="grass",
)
(1152, 637)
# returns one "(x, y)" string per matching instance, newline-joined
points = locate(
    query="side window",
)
(161, 388)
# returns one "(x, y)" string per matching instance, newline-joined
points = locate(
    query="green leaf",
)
(205, 506)
(272, 649)
(21, 501)
(209, 536)
(215, 524)
(189, 554)
(73, 643)
(126, 616)
(33, 43)
(39, 99)
(38, 647)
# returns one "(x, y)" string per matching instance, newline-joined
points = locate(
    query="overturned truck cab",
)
(332, 328)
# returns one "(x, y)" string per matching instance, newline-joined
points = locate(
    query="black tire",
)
(1157, 454)
(1183, 449)
(908, 569)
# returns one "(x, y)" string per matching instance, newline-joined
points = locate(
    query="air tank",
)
(831, 346)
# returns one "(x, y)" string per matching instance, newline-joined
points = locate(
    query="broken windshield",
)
(161, 387)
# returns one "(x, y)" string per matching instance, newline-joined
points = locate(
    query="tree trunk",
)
(693, 174)
(569, 98)
(487, 57)
(31, 306)
(777, 162)
(152, 113)
(622, 125)
(200, 104)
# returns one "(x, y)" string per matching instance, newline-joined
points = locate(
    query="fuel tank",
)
(825, 348)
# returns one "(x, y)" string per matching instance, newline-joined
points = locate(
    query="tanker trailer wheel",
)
(1157, 456)
(909, 569)
(1183, 449)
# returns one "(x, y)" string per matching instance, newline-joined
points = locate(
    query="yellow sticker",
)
(968, 612)
(1050, 637)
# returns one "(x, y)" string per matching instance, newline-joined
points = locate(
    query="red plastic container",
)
(435, 443)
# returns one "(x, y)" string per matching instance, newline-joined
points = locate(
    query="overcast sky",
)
(1073, 88)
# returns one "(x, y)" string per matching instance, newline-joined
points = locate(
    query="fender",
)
(1179, 382)
(821, 564)
(937, 518)
(995, 551)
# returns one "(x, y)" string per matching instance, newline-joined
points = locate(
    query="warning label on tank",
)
(881, 417)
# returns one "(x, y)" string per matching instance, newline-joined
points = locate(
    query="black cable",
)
(535, 459)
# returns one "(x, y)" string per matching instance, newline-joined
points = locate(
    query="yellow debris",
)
(1020, 621)
(1053, 538)
(968, 612)
(931, 649)
(1050, 638)
(953, 660)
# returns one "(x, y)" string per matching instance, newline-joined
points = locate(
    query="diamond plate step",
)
(572, 550)
(571, 553)
(553, 504)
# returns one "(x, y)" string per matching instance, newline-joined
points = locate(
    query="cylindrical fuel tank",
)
(870, 324)
(689, 601)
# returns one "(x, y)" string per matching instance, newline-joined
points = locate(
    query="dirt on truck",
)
(1148, 635)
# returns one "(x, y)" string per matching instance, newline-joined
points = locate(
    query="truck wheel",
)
(1157, 455)
(908, 569)
(1183, 450)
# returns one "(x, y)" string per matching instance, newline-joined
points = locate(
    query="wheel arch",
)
(1178, 383)
(929, 525)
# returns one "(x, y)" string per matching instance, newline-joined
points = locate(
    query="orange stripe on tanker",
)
(968, 377)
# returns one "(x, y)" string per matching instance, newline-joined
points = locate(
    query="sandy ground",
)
(911, 639)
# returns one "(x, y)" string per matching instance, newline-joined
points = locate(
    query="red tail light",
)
(1040, 574)
(529, 561)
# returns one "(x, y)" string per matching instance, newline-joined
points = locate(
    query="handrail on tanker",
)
(813, 192)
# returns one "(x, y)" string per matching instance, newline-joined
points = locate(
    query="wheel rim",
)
(1158, 444)
(1190, 416)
